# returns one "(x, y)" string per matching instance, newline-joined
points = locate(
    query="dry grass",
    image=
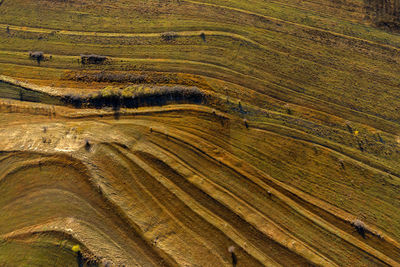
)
(265, 126)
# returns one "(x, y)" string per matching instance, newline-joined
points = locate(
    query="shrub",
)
(37, 55)
(231, 250)
(360, 227)
(288, 109)
(203, 36)
(87, 145)
(246, 123)
(169, 36)
(240, 106)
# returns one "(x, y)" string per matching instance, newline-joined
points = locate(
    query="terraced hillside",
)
(199, 133)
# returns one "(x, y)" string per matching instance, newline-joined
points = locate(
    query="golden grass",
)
(297, 139)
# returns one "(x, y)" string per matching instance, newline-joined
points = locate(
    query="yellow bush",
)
(76, 248)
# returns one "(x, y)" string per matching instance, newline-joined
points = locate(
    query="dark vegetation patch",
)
(37, 55)
(128, 97)
(384, 13)
(131, 98)
(169, 36)
(93, 59)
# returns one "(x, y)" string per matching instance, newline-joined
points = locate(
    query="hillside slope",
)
(269, 126)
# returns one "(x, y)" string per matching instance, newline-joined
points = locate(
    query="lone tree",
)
(88, 145)
(360, 227)
(231, 249)
(37, 55)
(246, 123)
(203, 36)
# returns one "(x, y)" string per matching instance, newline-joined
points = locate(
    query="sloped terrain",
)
(164, 133)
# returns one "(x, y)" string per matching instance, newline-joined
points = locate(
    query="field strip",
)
(296, 24)
(123, 34)
(203, 212)
(281, 95)
(254, 217)
(77, 230)
(179, 34)
(343, 111)
(193, 33)
(189, 200)
(232, 162)
(133, 240)
(342, 152)
(128, 161)
(307, 198)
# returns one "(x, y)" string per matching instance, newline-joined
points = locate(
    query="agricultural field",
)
(199, 133)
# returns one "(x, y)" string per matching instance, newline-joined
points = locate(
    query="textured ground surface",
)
(298, 135)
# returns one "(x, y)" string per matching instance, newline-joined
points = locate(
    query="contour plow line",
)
(179, 33)
(221, 224)
(296, 24)
(131, 245)
(239, 207)
(281, 94)
(124, 155)
(232, 162)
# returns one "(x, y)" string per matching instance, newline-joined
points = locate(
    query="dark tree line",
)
(165, 96)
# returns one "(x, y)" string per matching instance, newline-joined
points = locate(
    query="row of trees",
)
(157, 96)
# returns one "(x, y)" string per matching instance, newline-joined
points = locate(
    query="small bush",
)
(37, 55)
(169, 36)
(203, 36)
(88, 145)
(246, 123)
(240, 107)
(231, 250)
(349, 127)
(360, 227)
(288, 109)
